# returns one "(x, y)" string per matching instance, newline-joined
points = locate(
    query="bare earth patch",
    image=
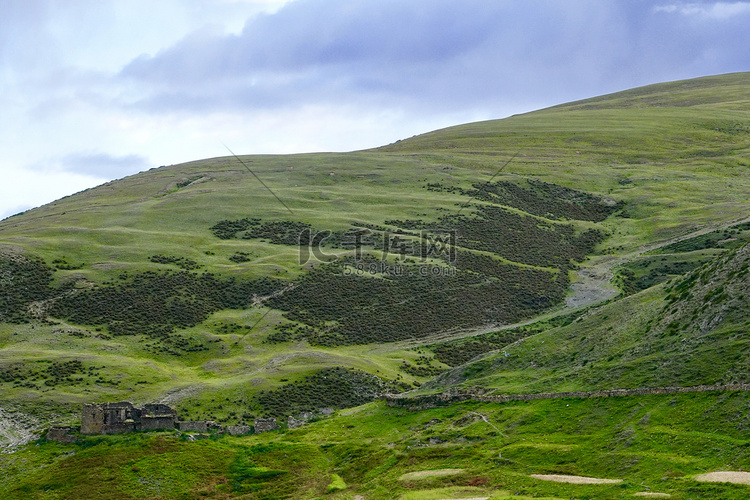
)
(16, 429)
(423, 474)
(735, 477)
(559, 478)
(649, 494)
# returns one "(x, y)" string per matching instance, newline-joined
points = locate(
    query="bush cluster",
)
(458, 352)
(640, 275)
(328, 388)
(51, 374)
(422, 367)
(181, 262)
(240, 257)
(63, 265)
(346, 308)
(540, 198)
(728, 239)
(155, 303)
(278, 232)
(22, 280)
(521, 238)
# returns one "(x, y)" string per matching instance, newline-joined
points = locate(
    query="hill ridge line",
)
(479, 395)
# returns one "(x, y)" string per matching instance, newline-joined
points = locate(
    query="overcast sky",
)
(94, 90)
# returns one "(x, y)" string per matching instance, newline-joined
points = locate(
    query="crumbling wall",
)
(151, 423)
(193, 426)
(479, 394)
(294, 423)
(92, 419)
(60, 434)
(239, 430)
(265, 425)
(157, 409)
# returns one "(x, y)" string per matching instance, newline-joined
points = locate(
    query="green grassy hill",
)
(376, 271)
(690, 330)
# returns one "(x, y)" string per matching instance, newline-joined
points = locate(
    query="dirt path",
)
(592, 287)
(16, 429)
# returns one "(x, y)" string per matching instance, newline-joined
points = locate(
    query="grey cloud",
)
(103, 165)
(433, 55)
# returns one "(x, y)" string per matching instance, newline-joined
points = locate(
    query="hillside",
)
(593, 245)
(690, 330)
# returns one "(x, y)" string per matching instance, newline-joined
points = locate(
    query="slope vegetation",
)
(194, 284)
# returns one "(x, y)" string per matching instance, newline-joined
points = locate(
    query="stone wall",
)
(239, 430)
(479, 394)
(294, 423)
(193, 426)
(92, 419)
(121, 417)
(158, 409)
(265, 425)
(60, 434)
(150, 423)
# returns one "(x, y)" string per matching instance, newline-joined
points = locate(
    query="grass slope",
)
(653, 444)
(155, 296)
(690, 330)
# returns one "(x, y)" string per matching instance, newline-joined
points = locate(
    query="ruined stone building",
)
(117, 418)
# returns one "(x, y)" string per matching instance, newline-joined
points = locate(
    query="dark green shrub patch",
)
(22, 280)
(644, 273)
(422, 367)
(727, 239)
(180, 262)
(411, 301)
(519, 238)
(45, 374)
(364, 299)
(330, 388)
(154, 304)
(278, 232)
(540, 198)
(63, 265)
(240, 257)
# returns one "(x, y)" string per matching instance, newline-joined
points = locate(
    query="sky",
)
(95, 90)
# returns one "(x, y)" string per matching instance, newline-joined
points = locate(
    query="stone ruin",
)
(265, 425)
(122, 417)
(61, 435)
(118, 418)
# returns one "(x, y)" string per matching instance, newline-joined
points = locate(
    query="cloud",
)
(430, 56)
(103, 165)
(715, 11)
(418, 54)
